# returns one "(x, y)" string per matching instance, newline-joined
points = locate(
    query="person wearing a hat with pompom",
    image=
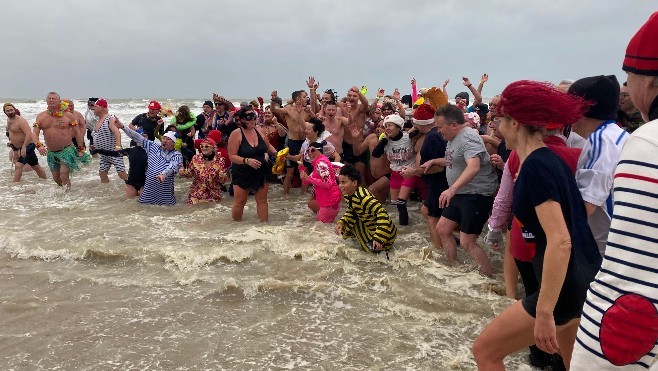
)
(600, 155)
(619, 326)
(208, 172)
(149, 121)
(204, 119)
(163, 162)
(62, 156)
(399, 149)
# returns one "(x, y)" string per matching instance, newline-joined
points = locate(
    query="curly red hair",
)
(540, 104)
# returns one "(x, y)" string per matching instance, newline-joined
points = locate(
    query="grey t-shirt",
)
(468, 144)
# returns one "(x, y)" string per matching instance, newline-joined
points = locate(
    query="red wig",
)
(540, 104)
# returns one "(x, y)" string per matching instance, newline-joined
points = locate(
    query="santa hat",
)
(424, 115)
(642, 51)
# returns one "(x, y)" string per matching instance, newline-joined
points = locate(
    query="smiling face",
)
(391, 129)
(10, 111)
(53, 101)
(206, 148)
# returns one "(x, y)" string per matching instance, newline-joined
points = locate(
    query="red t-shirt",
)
(519, 248)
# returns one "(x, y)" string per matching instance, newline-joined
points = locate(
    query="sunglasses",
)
(205, 146)
(250, 117)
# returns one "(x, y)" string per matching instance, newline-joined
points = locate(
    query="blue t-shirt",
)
(434, 146)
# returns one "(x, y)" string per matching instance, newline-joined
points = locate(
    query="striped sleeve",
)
(619, 325)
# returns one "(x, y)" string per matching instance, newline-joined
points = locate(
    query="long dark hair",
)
(183, 114)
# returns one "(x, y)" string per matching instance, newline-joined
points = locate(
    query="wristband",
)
(38, 144)
(118, 147)
(469, 85)
(244, 160)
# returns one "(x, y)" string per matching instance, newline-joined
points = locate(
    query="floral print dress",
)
(207, 180)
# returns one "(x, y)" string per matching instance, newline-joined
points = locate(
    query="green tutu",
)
(67, 156)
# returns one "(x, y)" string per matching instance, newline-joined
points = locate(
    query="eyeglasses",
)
(205, 146)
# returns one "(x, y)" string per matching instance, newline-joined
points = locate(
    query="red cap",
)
(155, 105)
(101, 102)
(215, 135)
(642, 51)
(209, 141)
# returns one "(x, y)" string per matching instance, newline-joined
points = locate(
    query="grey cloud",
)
(239, 49)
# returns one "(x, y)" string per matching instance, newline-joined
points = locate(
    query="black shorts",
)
(470, 211)
(294, 148)
(349, 157)
(432, 202)
(29, 157)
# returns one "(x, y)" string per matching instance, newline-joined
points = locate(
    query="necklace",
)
(60, 112)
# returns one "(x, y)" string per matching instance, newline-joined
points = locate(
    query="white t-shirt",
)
(596, 166)
(400, 152)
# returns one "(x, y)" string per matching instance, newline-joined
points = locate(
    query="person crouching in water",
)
(365, 218)
(323, 178)
(208, 171)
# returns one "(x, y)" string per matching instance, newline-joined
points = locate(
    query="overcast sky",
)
(192, 48)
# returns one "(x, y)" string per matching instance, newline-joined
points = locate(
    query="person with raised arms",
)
(355, 109)
(162, 163)
(295, 116)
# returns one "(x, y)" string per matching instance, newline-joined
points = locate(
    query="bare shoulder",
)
(21, 120)
(69, 116)
(42, 116)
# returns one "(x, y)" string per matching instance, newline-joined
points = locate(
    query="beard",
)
(11, 115)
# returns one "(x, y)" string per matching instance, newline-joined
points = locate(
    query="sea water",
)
(92, 281)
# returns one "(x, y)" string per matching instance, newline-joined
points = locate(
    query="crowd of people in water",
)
(564, 176)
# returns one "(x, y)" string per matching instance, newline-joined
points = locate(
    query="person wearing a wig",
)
(551, 212)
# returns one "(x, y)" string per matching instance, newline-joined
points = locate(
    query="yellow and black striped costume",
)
(367, 220)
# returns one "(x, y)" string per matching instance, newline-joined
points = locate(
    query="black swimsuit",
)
(246, 177)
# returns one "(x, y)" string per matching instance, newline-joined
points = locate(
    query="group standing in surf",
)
(537, 165)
